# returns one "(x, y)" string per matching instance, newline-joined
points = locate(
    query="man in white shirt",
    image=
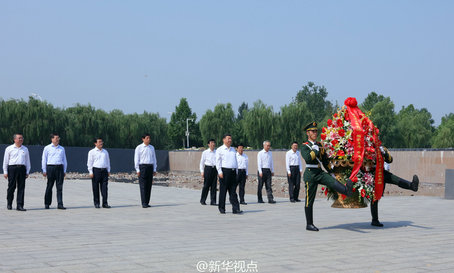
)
(243, 162)
(145, 164)
(294, 171)
(54, 166)
(227, 166)
(209, 173)
(265, 168)
(16, 167)
(98, 164)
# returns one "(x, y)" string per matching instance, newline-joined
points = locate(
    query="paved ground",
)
(177, 233)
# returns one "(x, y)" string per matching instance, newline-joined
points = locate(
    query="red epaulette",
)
(305, 143)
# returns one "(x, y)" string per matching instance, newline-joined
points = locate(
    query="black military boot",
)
(415, 183)
(374, 212)
(404, 184)
(344, 189)
(309, 220)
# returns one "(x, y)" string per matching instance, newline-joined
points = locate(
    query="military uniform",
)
(314, 155)
(390, 178)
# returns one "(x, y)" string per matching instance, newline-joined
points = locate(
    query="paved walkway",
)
(177, 233)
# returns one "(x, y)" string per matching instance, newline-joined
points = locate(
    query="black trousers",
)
(294, 182)
(228, 184)
(145, 182)
(99, 182)
(241, 182)
(55, 175)
(16, 176)
(210, 175)
(266, 178)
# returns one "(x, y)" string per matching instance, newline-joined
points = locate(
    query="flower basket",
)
(350, 141)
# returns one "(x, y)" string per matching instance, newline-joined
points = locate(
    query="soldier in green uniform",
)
(314, 155)
(390, 178)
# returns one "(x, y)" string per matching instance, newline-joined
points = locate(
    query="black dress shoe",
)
(148, 206)
(293, 201)
(213, 204)
(272, 202)
(106, 206)
(311, 228)
(97, 206)
(243, 203)
(222, 211)
(298, 200)
(237, 212)
(144, 206)
(21, 209)
(9, 207)
(203, 203)
(261, 201)
(46, 206)
(376, 223)
(61, 207)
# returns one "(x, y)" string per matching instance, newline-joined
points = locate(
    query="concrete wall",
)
(429, 165)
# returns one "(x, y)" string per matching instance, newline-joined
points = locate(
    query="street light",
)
(187, 130)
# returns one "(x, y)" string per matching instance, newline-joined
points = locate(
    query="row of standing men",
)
(16, 168)
(211, 164)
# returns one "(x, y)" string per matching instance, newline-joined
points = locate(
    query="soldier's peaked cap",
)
(311, 126)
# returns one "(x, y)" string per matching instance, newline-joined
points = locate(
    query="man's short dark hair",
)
(53, 135)
(226, 135)
(96, 139)
(241, 144)
(295, 142)
(16, 134)
(145, 135)
(211, 140)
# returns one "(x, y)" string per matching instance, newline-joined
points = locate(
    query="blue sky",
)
(145, 55)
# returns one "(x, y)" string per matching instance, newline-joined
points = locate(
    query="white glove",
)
(382, 150)
(315, 147)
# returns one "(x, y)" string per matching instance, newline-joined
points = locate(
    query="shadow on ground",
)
(365, 227)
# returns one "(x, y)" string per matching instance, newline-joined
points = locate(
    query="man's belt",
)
(312, 166)
(209, 166)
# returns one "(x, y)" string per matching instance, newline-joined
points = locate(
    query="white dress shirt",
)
(293, 159)
(265, 160)
(53, 155)
(208, 159)
(98, 159)
(243, 161)
(225, 158)
(16, 156)
(145, 154)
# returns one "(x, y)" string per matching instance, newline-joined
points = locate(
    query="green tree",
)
(177, 126)
(293, 118)
(214, 124)
(444, 136)
(315, 98)
(259, 124)
(415, 128)
(239, 136)
(370, 101)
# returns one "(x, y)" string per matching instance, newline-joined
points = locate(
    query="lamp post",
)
(187, 130)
